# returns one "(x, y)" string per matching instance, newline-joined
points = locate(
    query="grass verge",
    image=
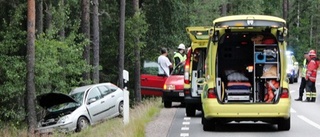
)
(140, 115)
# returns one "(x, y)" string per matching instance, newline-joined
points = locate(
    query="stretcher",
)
(238, 92)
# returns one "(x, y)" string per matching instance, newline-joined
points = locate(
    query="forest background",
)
(80, 42)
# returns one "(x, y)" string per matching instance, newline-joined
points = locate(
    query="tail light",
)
(285, 93)
(187, 68)
(186, 74)
(211, 93)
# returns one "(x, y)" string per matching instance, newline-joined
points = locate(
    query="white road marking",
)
(185, 123)
(292, 110)
(184, 134)
(291, 91)
(309, 121)
(185, 128)
(186, 118)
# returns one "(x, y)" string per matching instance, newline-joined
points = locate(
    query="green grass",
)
(140, 115)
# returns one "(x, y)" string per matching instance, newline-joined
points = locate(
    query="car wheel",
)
(82, 124)
(291, 79)
(208, 125)
(167, 104)
(120, 109)
(190, 110)
(296, 77)
(202, 118)
(284, 124)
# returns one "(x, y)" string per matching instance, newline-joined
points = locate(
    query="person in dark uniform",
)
(303, 76)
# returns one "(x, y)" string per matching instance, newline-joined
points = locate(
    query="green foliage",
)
(59, 64)
(203, 12)
(303, 30)
(13, 67)
(109, 39)
(136, 27)
(159, 23)
(246, 7)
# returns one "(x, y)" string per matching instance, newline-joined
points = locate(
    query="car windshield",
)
(178, 70)
(150, 67)
(289, 60)
(63, 106)
(78, 96)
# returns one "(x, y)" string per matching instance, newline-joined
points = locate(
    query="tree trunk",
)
(30, 87)
(137, 86)
(285, 9)
(96, 40)
(85, 29)
(39, 15)
(121, 38)
(224, 9)
(48, 18)
(62, 32)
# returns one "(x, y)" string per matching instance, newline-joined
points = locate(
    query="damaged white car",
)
(84, 106)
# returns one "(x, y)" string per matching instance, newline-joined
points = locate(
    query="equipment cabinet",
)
(266, 64)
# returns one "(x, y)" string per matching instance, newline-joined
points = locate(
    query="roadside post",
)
(126, 98)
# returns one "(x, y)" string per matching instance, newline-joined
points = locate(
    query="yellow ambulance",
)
(245, 72)
(194, 67)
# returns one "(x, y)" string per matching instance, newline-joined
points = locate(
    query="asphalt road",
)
(305, 121)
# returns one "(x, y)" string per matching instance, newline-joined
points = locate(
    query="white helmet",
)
(181, 46)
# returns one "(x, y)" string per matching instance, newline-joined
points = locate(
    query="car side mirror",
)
(91, 100)
(280, 36)
(216, 36)
(201, 81)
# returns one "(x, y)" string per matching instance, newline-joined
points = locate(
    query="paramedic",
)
(303, 75)
(311, 76)
(164, 63)
(180, 55)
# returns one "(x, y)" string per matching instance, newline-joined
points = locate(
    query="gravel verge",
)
(161, 123)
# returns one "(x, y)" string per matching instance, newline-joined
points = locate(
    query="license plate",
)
(181, 94)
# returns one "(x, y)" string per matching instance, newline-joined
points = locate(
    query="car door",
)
(151, 83)
(110, 98)
(95, 105)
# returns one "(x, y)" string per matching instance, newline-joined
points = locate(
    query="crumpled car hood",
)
(48, 100)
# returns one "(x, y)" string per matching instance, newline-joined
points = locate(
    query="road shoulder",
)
(160, 126)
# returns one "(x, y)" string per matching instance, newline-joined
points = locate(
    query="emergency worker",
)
(311, 76)
(303, 76)
(180, 55)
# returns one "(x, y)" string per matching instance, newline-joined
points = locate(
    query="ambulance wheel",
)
(167, 104)
(190, 110)
(284, 124)
(202, 117)
(208, 124)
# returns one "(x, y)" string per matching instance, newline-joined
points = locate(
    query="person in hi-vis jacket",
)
(303, 76)
(311, 76)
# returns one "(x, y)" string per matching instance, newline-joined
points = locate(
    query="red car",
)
(173, 86)
(151, 83)
(170, 88)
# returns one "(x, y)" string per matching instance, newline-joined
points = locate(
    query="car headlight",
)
(64, 119)
(169, 87)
